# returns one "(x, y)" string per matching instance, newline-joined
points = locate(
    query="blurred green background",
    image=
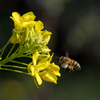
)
(75, 25)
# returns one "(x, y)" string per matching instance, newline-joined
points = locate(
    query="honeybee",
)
(69, 63)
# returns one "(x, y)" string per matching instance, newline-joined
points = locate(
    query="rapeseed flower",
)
(26, 20)
(46, 36)
(33, 42)
(43, 69)
(22, 24)
(38, 27)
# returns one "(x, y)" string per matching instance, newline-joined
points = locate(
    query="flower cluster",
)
(43, 69)
(29, 33)
(33, 41)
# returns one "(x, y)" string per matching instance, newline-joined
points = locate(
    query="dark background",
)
(75, 25)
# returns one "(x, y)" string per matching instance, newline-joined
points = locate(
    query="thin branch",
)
(19, 62)
(14, 66)
(14, 71)
(3, 49)
(11, 50)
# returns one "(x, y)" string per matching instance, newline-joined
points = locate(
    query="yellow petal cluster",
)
(29, 32)
(43, 69)
(25, 21)
(33, 41)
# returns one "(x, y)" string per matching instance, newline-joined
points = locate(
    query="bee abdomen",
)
(75, 64)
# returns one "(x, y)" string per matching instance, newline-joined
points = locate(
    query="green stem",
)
(14, 71)
(19, 47)
(3, 49)
(14, 66)
(19, 62)
(11, 50)
(35, 82)
(24, 56)
(13, 56)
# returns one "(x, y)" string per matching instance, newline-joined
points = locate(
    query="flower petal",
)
(46, 36)
(35, 57)
(42, 65)
(34, 48)
(57, 73)
(32, 70)
(16, 17)
(45, 50)
(54, 67)
(51, 57)
(39, 26)
(46, 32)
(43, 56)
(38, 78)
(30, 23)
(48, 76)
(28, 16)
(15, 37)
(53, 71)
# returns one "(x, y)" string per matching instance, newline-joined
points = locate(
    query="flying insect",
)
(69, 63)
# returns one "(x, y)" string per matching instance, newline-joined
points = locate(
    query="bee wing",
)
(64, 65)
(66, 54)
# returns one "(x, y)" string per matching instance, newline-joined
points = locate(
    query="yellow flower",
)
(50, 73)
(48, 76)
(43, 69)
(23, 26)
(34, 68)
(46, 36)
(25, 29)
(43, 56)
(16, 37)
(45, 50)
(38, 27)
(54, 69)
(24, 21)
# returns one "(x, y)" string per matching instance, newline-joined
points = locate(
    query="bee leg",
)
(70, 68)
(70, 71)
(64, 69)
